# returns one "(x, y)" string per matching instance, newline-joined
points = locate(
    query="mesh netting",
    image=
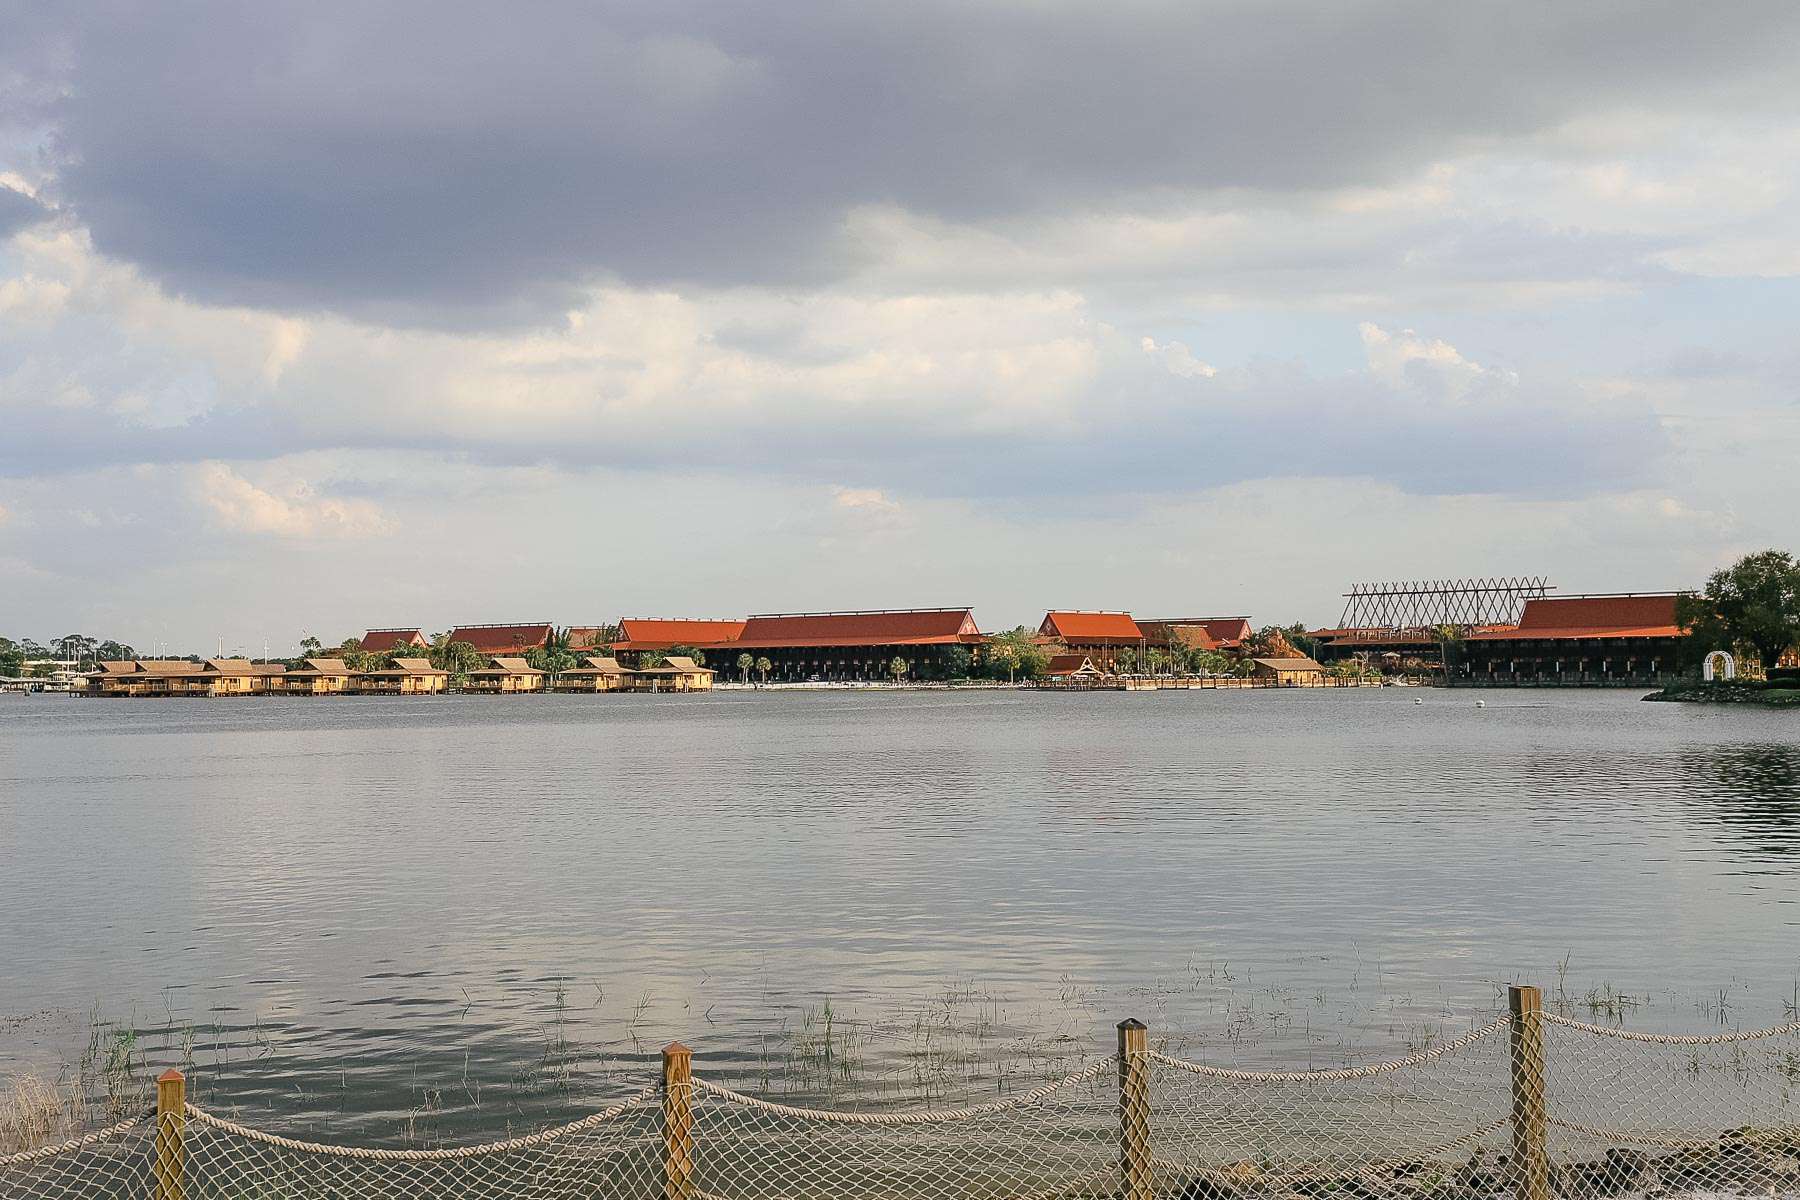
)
(108, 1163)
(1421, 1118)
(1058, 1140)
(1648, 1113)
(1610, 1114)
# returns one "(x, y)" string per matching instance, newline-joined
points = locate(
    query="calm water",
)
(391, 918)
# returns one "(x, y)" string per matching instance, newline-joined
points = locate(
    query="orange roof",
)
(886, 627)
(1091, 628)
(1070, 664)
(1193, 636)
(1227, 632)
(502, 639)
(377, 641)
(655, 633)
(1632, 615)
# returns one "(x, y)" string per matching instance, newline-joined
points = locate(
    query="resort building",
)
(1288, 672)
(1173, 635)
(595, 674)
(1624, 639)
(380, 641)
(652, 635)
(1225, 633)
(494, 640)
(676, 673)
(589, 637)
(505, 675)
(930, 643)
(1098, 635)
(407, 677)
(318, 677)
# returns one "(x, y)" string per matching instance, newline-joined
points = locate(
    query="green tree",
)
(553, 657)
(762, 668)
(958, 662)
(457, 657)
(745, 661)
(1752, 605)
(311, 647)
(897, 668)
(12, 657)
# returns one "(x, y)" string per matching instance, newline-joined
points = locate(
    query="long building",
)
(932, 643)
(1629, 638)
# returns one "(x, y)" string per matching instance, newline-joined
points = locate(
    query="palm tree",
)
(746, 660)
(762, 667)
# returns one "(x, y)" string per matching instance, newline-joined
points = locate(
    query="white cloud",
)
(1405, 358)
(236, 504)
(863, 500)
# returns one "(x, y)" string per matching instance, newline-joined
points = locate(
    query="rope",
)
(1073, 1187)
(99, 1135)
(1668, 1039)
(1380, 1068)
(1638, 1139)
(378, 1152)
(917, 1116)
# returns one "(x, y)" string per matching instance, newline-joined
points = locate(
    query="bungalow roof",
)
(1092, 628)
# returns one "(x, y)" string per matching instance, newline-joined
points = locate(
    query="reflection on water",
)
(1753, 790)
(430, 917)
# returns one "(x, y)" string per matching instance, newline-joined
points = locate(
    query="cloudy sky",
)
(327, 315)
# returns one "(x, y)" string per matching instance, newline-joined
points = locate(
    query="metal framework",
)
(1428, 604)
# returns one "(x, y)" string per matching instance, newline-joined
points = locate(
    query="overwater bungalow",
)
(181, 677)
(505, 675)
(407, 677)
(317, 677)
(1288, 672)
(595, 674)
(676, 673)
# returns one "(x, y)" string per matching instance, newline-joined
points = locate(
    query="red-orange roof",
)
(1227, 632)
(379, 641)
(1069, 664)
(1091, 628)
(1566, 617)
(655, 633)
(502, 639)
(1190, 634)
(888, 627)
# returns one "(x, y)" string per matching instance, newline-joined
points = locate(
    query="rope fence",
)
(1530, 1106)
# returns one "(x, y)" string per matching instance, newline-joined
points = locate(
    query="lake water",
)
(391, 918)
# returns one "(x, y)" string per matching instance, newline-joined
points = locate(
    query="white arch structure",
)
(1729, 663)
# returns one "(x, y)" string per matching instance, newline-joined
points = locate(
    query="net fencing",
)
(1530, 1106)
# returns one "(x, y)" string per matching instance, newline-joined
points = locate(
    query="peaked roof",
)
(659, 633)
(1630, 615)
(583, 636)
(878, 627)
(323, 666)
(1070, 664)
(502, 639)
(1227, 632)
(409, 666)
(375, 641)
(1296, 663)
(596, 665)
(1191, 634)
(508, 665)
(1104, 627)
(676, 664)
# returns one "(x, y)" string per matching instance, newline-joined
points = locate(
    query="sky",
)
(316, 317)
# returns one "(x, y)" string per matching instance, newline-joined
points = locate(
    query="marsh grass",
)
(36, 1112)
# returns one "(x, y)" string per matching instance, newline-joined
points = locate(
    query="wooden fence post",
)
(1136, 1178)
(1530, 1119)
(171, 1126)
(678, 1122)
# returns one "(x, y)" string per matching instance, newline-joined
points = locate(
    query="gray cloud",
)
(428, 163)
(17, 210)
